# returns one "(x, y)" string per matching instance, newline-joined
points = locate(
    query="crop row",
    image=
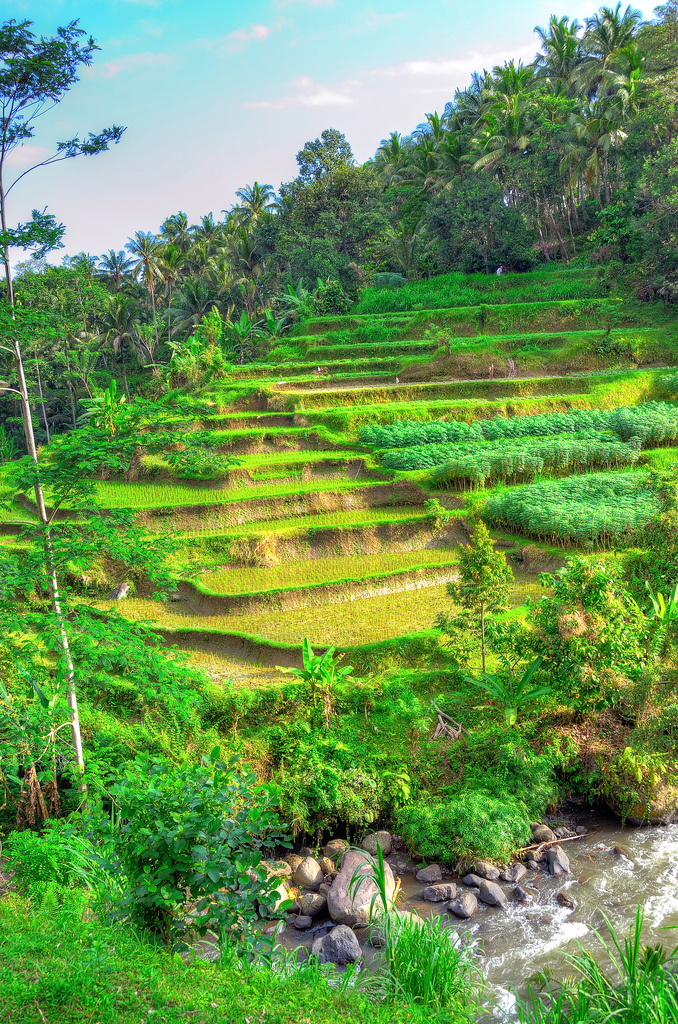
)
(479, 463)
(652, 422)
(605, 508)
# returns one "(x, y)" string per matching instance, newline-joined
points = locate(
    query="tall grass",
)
(640, 986)
(422, 962)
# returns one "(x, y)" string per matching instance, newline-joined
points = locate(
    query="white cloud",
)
(454, 67)
(25, 156)
(311, 94)
(128, 62)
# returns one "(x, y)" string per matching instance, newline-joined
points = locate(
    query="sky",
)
(215, 94)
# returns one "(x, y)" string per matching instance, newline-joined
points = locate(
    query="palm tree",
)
(170, 266)
(146, 251)
(115, 267)
(121, 316)
(391, 159)
(255, 201)
(405, 246)
(609, 34)
(175, 230)
(195, 300)
(562, 54)
(508, 129)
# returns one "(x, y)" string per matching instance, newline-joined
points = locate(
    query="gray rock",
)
(120, 592)
(486, 870)
(324, 888)
(303, 922)
(533, 865)
(440, 893)
(334, 849)
(543, 834)
(522, 896)
(558, 861)
(514, 873)
(433, 873)
(277, 868)
(465, 905)
(326, 865)
(339, 947)
(474, 880)
(372, 839)
(276, 928)
(306, 851)
(580, 830)
(493, 894)
(309, 874)
(565, 900)
(354, 907)
(313, 904)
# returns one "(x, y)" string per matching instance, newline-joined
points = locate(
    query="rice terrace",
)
(339, 544)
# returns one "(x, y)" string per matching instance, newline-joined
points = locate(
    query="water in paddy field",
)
(527, 940)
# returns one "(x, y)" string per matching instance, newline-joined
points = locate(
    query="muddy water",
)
(527, 940)
(613, 870)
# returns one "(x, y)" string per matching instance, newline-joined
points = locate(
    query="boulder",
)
(372, 839)
(334, 849)
(493, 894)
(514, 872)
(353, 907)
(326, 865)
(486, 870)
(303, 922)
(433, 873)
(306, 851)
(309, 874)
(465, 905)
(522, 896)
(283, 894)
(294, 860)
(340, 946)
(120, 592)
(313, 903)
(542, 834)
(275, 928)
(441, 892)
(565, 900)
(472, 879)
(277, 868)
(533, 865)
(657, 805)
(558, 861)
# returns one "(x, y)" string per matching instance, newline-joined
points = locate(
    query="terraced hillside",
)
(323, 525)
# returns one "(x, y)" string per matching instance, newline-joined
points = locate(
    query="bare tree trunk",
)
(482, 632)
(55, 599)
(42, 398)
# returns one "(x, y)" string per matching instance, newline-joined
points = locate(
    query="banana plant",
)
(322, 672)
(664, 613)
(512, 694)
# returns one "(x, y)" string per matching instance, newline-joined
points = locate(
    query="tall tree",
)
(35, 74)
(484, 578)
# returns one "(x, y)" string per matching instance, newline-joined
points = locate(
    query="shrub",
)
(470, 824)
(198, 829)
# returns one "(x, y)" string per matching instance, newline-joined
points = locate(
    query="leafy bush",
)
(57, 857)
(472, 823)
(199, 829)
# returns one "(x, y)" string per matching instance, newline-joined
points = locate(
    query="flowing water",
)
(613, 871)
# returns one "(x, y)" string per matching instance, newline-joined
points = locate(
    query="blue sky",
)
(216, 93)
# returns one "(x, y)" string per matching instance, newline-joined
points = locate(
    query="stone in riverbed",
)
(542, 834)
(432, 874)
(372, 839)
(558, 861)
(522, 896)
(486, 870)
(303, 922)
(533, 865)
(313, 904)
(565, 900)
(440, 893)
(493, 894)
(514, 873)
(348, 905)
(465, 905)
(327, 866)
(472, 879)
(334, 849)
(339, 947)
(309, 874)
